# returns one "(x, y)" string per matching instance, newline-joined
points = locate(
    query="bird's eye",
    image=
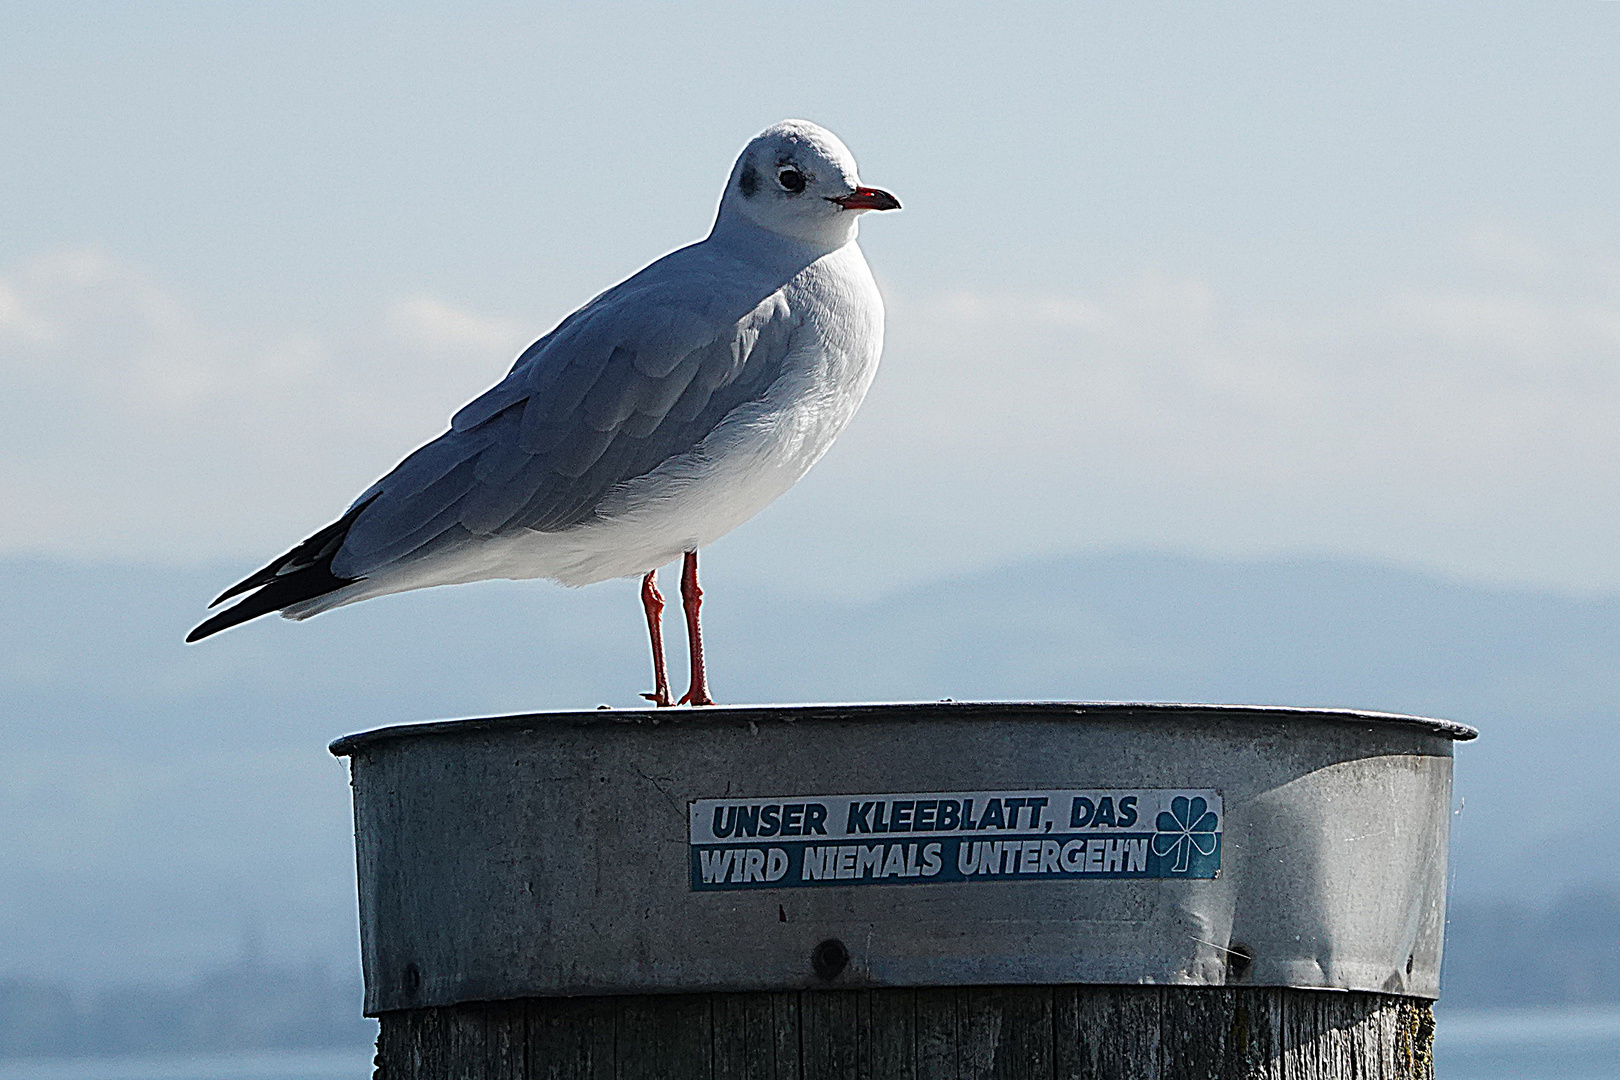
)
(791, 180)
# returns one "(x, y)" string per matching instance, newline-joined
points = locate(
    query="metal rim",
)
(1090, 710)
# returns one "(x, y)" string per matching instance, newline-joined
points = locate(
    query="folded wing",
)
(639, 376)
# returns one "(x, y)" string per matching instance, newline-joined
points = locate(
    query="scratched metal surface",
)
(547, 854)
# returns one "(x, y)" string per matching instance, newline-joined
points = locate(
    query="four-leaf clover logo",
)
(1188, 824)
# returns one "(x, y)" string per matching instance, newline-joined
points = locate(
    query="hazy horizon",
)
(193, 782)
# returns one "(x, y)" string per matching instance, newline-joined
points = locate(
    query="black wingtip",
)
(303, 573)
(251, 608)
(282, 592)
(314, 552)
(248, 584)
(203, 630)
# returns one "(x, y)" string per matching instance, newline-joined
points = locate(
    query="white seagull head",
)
(798, 180)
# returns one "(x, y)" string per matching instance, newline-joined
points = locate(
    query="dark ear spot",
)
(748, 182)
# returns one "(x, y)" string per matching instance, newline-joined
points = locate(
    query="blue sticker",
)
(934, 838)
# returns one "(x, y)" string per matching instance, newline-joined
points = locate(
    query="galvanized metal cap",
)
(946, 843)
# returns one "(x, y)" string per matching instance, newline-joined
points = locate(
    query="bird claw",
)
(660, 700)
(701, 699)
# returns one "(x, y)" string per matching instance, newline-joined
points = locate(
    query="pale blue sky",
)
(1228, 279)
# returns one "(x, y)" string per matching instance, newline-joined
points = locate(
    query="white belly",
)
(690, 502)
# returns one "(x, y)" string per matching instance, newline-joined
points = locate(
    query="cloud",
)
(16, 321)
(1476, 429)
(131, 425)
(1472, 425)
(428, 322)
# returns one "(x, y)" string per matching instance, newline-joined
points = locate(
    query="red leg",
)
(653, 601)
(692, 601)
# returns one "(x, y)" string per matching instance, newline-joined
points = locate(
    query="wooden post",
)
(977, 1033)
(1025, 892)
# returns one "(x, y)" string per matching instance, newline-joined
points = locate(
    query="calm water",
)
(325, 1065)
(1569, 1044)
(1518, 1044)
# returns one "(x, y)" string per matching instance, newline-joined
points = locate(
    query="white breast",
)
(756, 454)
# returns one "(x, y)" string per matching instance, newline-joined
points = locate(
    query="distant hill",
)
(240, 1006)
(161, 800)
(1498, 954)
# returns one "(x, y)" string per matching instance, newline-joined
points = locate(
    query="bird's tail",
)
(303, 573)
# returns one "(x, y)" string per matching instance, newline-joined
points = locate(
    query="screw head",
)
(1239, 958)
(829, 958)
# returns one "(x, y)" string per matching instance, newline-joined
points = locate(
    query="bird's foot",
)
(661, 699)
(697, 696)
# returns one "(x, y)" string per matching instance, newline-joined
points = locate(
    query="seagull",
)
(649, 423)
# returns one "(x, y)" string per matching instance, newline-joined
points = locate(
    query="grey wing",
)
(604, 398)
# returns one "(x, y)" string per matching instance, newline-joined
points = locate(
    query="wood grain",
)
(960, 1033)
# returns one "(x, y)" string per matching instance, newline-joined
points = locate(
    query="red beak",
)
(867, 198)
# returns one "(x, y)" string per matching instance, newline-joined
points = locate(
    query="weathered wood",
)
(661, 1037)
(888, 1036)
(1005, 1032)
(936, 1033)
(965, 1033)
(569, 1039)
(828, 1022)
(1106, 1032)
